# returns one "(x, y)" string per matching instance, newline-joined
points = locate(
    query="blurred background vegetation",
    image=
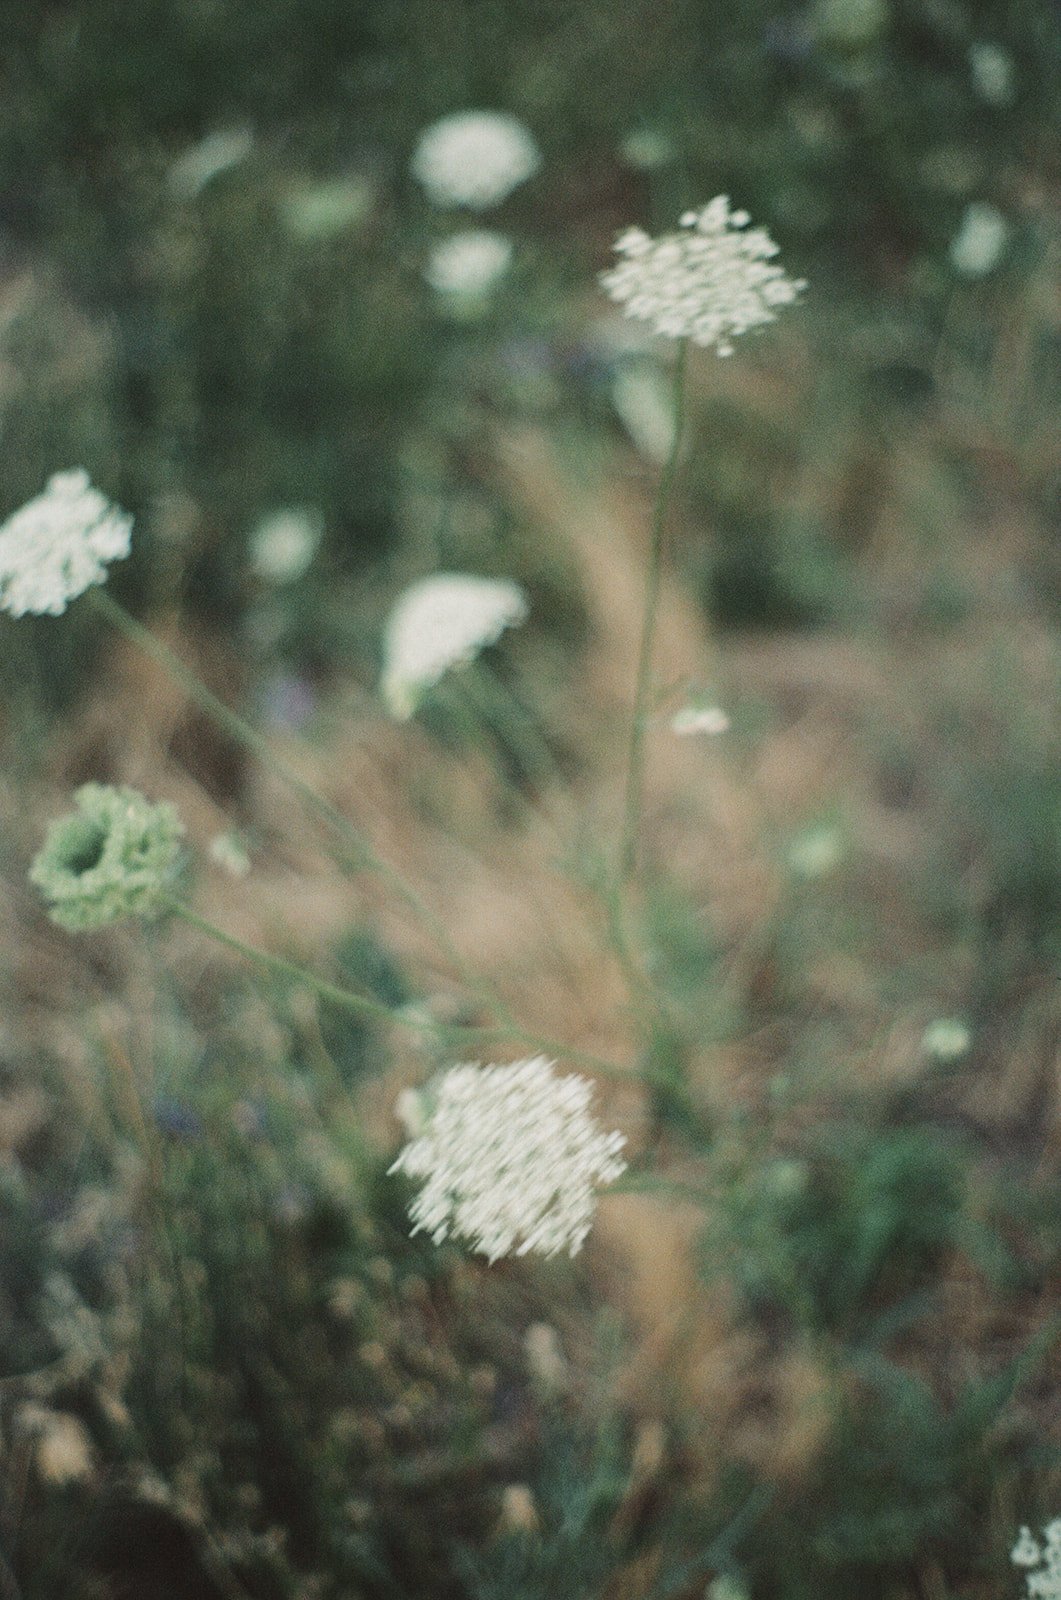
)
(224, 1367)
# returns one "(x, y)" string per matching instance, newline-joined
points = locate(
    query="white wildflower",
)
(709, 283)
(642, 399)
(474, 159)
(699, 719)
(206, 160)
(646, 149)
(58, 544)
(62, 1447)
(1045, 1584)
(992, 72)
(948, 1039)
(284, 543)
(442, 622)
(977, 247)
(467, 265)
(511, 1156)
(227, 851)
(816, 851)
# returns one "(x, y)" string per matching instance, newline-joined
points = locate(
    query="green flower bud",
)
(111, 858)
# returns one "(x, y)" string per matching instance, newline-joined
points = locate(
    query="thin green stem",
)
(364, 857)
(636, 758)
(457, 1034)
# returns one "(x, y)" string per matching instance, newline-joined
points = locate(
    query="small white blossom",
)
(948, 1039)
(511, 1157)
(284, 543)
(474, 159)
(201, 163)
(1045, 1584)
(227, 851)
(699, 719)
(442, 622)
(976, 248)
(468, 264)
(992, 72)
(58, 544)
(709, 283)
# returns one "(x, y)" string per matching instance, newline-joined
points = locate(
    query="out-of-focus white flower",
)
(646, 149)
(227, 851)
(1045, 1584)
(411, 1112)
(442, 622)
(58, 544)
(467, 265)
(699, 719)
(709, 283)
(511, 1158)
(992, 72)
(816, 851)
(725, 1588)
(62, 1448)
(284, 543)
(642, 398)
(474, 159)
(206, 160)
(977, 247)
(948, 1039)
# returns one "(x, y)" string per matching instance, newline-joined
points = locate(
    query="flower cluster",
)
(442, 622)
(511, 1157)
(113, 857)
(709, 283)
(58, 544)
(474, 159)
(468, 264)
(1045, 1584)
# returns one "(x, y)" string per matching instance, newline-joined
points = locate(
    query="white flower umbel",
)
(467, 265)
(1044, 1584)
(977, 247)
(699, 719)
(284, 543)
(58, 544)
(512, 1158)
(474, 159)
(709, 283)
(442, 622)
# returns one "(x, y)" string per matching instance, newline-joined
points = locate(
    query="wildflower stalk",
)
(364, 857)
(636, 757)
(465, 1036)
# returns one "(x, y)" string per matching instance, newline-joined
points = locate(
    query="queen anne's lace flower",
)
(468, 264)
(511, 1156)
(1044, 1584)
(113, 857)
(714, 280)
(442, 622)
(58, 544)
(474, 159)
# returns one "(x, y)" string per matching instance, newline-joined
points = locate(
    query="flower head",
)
(111, 858)
(442, 622)
(467, 265)
(1045, 1584)
(712, 281)
(474, 159)
(511, 1156)
(58, 544)
(699, 719)
(284, 543)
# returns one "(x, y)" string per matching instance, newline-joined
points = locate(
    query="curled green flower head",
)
(111, 858)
